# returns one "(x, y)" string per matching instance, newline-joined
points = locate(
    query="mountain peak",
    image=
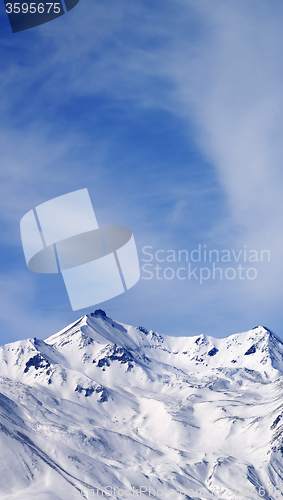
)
(265, 333)
(99, 313)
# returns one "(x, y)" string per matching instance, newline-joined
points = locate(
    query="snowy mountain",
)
(103, 409)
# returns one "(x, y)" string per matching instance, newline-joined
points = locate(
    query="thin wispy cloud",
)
(170, 114)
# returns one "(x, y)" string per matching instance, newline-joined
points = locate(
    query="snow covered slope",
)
(106, 407)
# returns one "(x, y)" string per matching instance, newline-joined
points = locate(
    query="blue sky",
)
(170, 113)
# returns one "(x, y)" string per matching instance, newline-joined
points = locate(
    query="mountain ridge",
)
(102, 404)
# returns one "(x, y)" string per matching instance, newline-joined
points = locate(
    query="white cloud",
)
(215, 66)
